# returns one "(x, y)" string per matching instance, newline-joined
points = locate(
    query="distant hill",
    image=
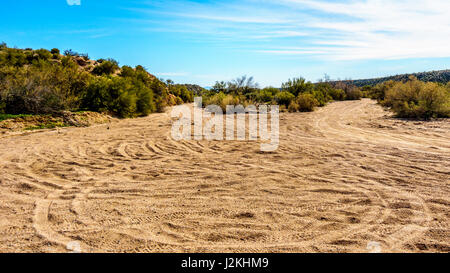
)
(441, 76)
(196, 89)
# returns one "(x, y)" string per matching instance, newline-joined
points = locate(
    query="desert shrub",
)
(182, 92)
(171, 100)
(353, 93)
(55, 51)
(219, 87)
(70, 53)
(337, 94)
(43, 54)
(416, 99)
(127, 71)
(44, 89)
(13, 57)
(161, 94)
(126, 106)
(179, 101)
(284, 98)
(322, 96)
(221, 100)
(106, 67)
(307, 102)
(297, 86)
(293, 107)
(145, 101)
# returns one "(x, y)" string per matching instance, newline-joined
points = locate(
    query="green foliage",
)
(264, 96)
(70, 53)
(307, 102)
(442, 76)
(297, 86)
(182, 92)
(239, 86)
(220, 87)
(379, 91)
(36, 89)
(353, 93)
(48, 125)
(293, 107)
(337, 94)
(106, 67)
(55, 51)
(123, 97)
(284, 98)
(10, 116)
(41, 81)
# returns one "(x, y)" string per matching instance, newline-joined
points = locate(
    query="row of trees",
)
(42, 81)
(295, 95)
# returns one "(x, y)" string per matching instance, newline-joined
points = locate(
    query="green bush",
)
(379, 91)
(181, 91)
(262, 96)
(307, 102)
(55, 51)
(119, 96)
(353, 93)
(106, 67)
(284, 98)
(297, 86)
(416, 99)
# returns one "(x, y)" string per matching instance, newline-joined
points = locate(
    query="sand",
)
(345, 178)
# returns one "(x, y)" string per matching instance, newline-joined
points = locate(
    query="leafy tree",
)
(220, 87)
(297, 86)
(70, 52)
(417, 99)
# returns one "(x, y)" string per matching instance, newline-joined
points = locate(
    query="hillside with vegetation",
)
(50, 82)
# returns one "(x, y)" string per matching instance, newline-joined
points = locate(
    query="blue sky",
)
(273, 40)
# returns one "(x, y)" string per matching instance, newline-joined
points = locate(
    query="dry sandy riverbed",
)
(342, 177)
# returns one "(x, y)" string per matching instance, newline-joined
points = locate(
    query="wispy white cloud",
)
(382, 29)
(337, 30)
